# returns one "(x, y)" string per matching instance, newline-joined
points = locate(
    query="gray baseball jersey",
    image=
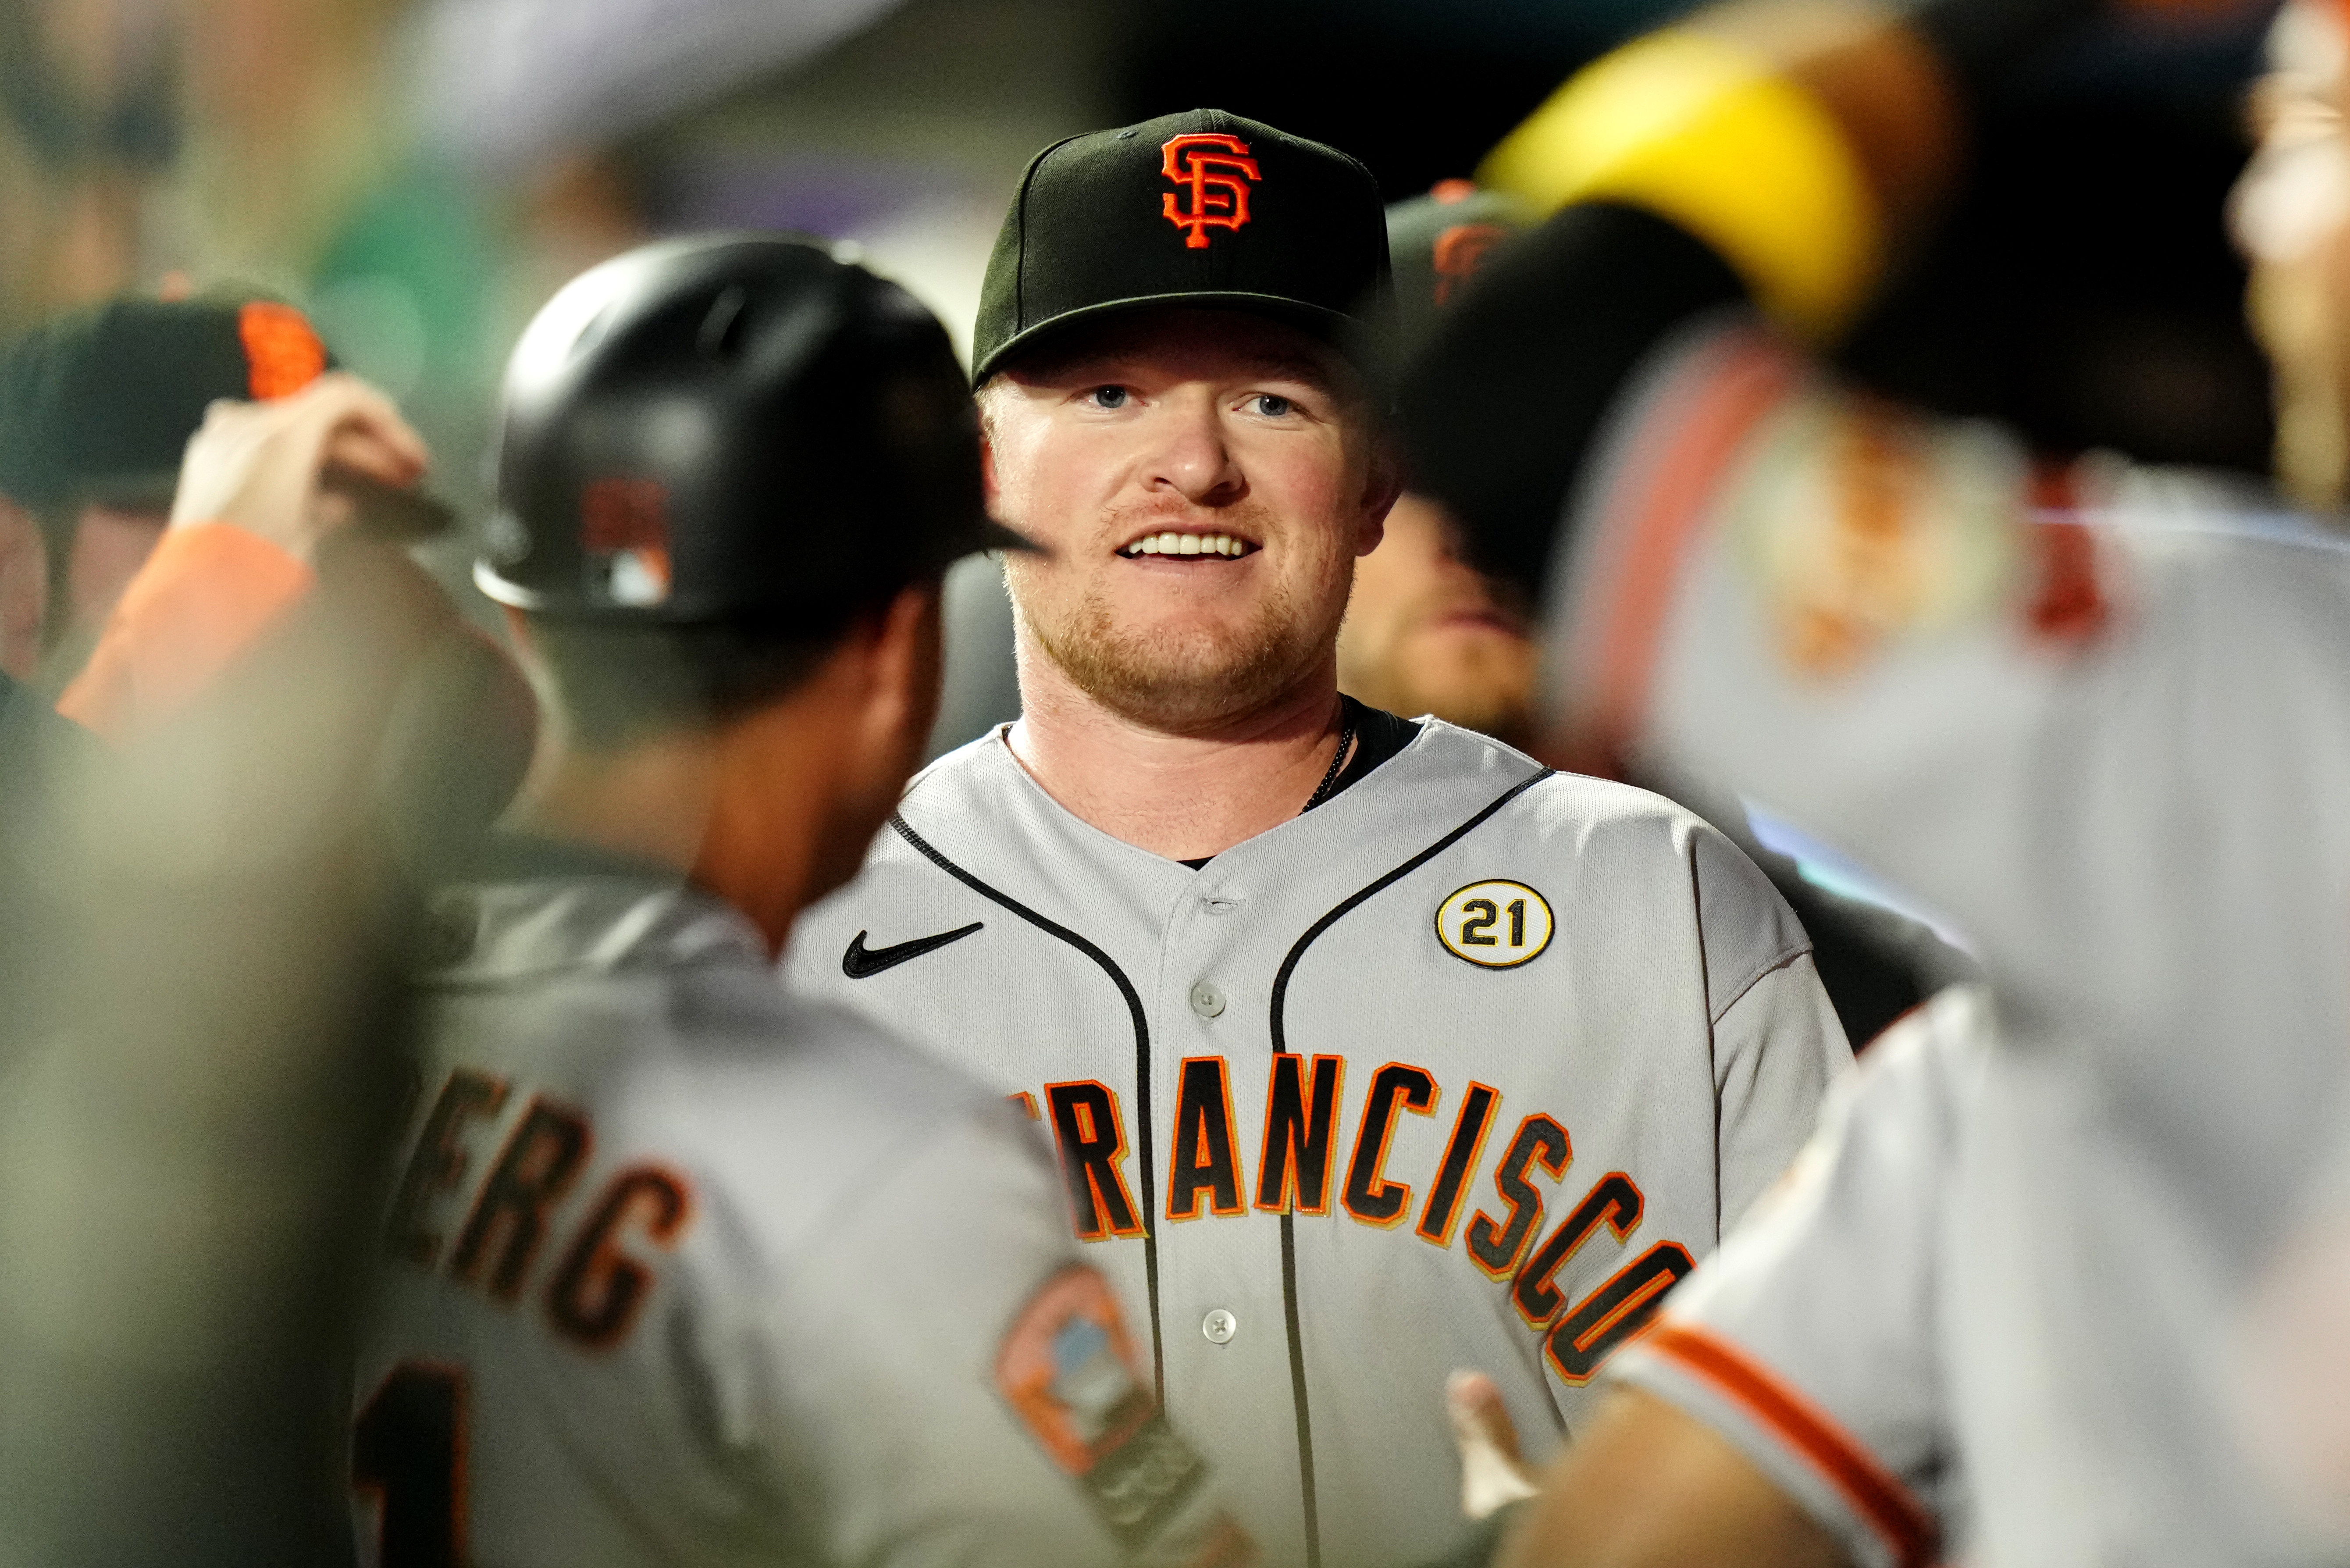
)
(682, 1271)
(1812, 1338)
(2103, 725)
(1464, 1067)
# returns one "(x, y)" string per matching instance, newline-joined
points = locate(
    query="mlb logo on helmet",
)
(1217, 182)
(624, 540)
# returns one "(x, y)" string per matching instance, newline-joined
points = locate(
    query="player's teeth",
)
(1173, 544)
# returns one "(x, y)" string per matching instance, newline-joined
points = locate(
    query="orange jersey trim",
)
(1676, 465)
(1874, 1492)
(203, 596)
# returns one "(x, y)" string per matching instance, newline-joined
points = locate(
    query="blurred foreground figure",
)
(1427, 632)
(96, 408)
(123, 593)
(1316, 1003)
(680, 1270)
(202, 938)
(2062, 1279)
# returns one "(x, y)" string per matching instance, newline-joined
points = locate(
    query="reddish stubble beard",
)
(1196, 678)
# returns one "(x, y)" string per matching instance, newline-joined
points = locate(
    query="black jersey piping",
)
(1141, 1075)
(1306, 1486)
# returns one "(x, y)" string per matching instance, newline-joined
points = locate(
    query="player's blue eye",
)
(1271, 405)
(1108, 396)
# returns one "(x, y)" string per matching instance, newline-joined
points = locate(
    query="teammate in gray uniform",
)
(1369, 1048)
(2063, 1279)
(681, 1271)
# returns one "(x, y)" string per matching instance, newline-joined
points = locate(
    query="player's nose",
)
(1191, 455)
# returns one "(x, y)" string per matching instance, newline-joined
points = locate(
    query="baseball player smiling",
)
(1369, 1048)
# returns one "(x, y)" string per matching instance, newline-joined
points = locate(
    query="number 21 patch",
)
(1494, 925)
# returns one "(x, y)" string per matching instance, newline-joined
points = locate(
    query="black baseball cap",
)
(1437, 242)
(1200, 208)
(99, 404)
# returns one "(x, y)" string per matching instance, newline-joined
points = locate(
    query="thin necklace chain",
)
(1337, 760)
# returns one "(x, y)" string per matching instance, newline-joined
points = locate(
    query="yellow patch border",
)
(1550, 918)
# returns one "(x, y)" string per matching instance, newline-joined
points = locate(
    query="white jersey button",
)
(1220, 1326)
(1206, 1000)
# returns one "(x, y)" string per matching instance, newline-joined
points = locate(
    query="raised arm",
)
(1775, 155)
(251, 510)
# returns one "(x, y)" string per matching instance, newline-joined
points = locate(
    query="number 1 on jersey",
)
(408, 1451)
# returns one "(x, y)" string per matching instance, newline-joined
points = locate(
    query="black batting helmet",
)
(729, 427)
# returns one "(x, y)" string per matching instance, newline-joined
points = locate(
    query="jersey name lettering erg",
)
(1464, 1067)
(668, 1277)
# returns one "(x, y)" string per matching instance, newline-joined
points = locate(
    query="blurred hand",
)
(259, 465)
(1492, 1475)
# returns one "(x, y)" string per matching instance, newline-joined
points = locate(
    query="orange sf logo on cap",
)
(282, 354)
(1215, 169)
(1460, 252)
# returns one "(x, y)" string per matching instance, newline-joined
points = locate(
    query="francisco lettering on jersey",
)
(1298, 1173)
(594, 1277)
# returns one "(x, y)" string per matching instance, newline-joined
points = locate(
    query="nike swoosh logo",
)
(860, 962)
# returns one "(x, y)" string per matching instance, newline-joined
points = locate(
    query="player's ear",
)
(986, 444)
(905, 655)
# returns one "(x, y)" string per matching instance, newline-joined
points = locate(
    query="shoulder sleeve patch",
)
(1069, 1368)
